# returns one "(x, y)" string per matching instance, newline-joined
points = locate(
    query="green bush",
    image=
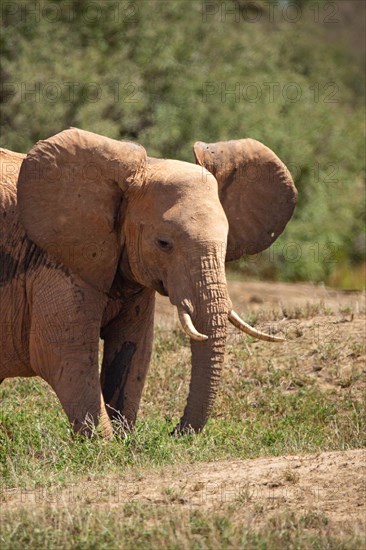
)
(169, 73)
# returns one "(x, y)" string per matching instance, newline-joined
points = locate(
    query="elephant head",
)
(108, 212)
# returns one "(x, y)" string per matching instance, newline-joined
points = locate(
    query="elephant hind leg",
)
(127, 352)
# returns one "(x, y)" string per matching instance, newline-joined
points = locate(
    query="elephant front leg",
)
(127, 352)
(72, 372)
(63, 344)
(83, 403)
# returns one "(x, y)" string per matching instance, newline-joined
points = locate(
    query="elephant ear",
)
(70, 190)
(256, 191)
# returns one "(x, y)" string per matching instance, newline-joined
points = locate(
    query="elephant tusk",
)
(189, 327)
(242, 325)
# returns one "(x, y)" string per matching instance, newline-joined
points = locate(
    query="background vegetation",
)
(169, 73)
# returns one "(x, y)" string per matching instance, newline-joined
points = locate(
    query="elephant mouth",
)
(160, 288)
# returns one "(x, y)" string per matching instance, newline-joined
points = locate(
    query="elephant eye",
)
(164, 244)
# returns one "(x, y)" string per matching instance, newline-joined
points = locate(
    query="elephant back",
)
(10, 164)
(18, 254)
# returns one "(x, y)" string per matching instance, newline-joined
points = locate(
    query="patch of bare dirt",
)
(330, 484)
(248, 296)
(325, 332)
(254, 293)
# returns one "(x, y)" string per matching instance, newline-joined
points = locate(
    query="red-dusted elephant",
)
(92, 227)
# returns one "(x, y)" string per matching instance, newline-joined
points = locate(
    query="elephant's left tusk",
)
(188, 326)
(242, 325)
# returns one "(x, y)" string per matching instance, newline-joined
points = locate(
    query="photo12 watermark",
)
(269, 92)
(286, 11)
(65, 11)
(68, 92)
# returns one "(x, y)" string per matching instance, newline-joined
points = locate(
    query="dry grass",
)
(303, 396)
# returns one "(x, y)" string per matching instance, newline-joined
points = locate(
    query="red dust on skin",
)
(109, 227)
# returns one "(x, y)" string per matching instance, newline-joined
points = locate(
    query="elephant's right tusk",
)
(188, 326)
(243, 326)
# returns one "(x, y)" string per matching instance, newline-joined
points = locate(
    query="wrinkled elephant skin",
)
(91, 228)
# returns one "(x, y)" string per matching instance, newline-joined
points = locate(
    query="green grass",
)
(270, 403)
(37, 447)
(159, 527)
(261, 410)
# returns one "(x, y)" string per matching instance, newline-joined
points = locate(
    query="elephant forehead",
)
(198, 216)
(181, 174)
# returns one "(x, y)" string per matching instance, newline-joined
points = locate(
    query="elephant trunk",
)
(210, 318)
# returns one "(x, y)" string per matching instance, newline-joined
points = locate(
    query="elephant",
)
(92, 228)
